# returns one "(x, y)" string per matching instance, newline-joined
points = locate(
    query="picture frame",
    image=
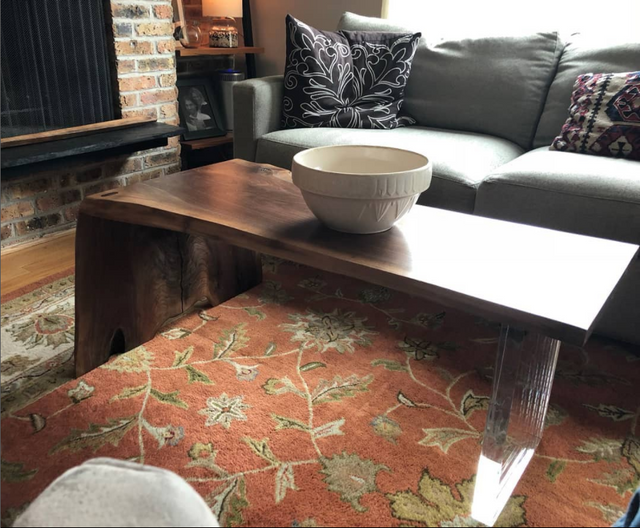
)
(199, 113)
(178, 14)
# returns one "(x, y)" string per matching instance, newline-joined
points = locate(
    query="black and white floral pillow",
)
(348, 79)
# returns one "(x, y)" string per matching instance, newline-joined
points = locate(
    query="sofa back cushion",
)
(582, 54)
(492, 85)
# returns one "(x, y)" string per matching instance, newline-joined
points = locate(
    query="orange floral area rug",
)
(317, 400)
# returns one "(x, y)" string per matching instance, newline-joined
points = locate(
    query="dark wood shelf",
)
(197, 52)
(199, 144)
(111, 142)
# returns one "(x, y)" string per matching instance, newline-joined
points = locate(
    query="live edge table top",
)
(547, 281)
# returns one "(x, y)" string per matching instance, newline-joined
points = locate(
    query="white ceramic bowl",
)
(360, 189)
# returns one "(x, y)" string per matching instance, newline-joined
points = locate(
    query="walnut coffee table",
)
(149, 252)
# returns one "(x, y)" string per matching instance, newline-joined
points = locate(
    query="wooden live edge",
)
(540, 280)
(199, 144)
(66, 133)
(197, 52)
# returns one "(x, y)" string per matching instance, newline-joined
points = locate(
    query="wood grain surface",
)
(201, 51)
(541, 280)
(132, 279)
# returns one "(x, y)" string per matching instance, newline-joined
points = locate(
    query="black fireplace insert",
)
(57, 67)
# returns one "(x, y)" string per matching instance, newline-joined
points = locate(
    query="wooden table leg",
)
(131, 279)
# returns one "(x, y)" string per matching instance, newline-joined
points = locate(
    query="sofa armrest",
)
(257, 109)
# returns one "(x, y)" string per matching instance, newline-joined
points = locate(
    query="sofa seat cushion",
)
(460, 159)
(566, 191)
(582, 194)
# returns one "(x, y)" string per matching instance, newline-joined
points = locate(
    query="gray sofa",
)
(487, 111)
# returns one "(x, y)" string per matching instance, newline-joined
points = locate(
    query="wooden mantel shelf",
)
(197, 52)
(199, 144)
(108, 142)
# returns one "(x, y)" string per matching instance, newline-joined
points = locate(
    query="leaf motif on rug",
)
(622, 480)
(15, 472)
(232, 340)
(16, 364)
(602, 449)
(81, 392)
(196, 376)
(471, 403)
(611, 513)
(289, 423)
(169, 398)
(137, 360)
(436, 505)
(96, 436)
(555, 469)
(445, 437)
(262, 449)
(204, 456)
(182, 357)
(338, 388)
(258, 314)
(176, 333)
(285, 480)
(556, 415)
(329, 429)
(351, 477)
(276, 387)
(38, 422)
(129, 392)
(631, 451)
(389, 364)
(311, 366)
(228, 501)
(612, 412)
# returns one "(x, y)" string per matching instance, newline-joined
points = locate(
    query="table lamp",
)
(224, 32)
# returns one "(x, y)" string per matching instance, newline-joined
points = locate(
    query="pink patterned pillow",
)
(604, 116)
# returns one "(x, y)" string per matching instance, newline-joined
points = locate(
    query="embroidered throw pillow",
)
(348, 79)
(604, 116)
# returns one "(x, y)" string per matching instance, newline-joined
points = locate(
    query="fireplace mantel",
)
(45, 156)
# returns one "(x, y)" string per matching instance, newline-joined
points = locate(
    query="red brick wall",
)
(46, 202)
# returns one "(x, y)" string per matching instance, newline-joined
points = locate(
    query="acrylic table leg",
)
(522, 383)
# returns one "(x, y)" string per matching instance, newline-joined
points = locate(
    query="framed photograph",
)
(199, 113)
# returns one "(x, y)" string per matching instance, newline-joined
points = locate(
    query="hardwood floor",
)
(34, 261)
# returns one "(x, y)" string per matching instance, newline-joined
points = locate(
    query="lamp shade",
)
(222, 8)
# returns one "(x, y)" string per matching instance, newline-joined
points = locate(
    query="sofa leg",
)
(522, 383)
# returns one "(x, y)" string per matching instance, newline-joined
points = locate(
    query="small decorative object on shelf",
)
(224, 32)
(190, 35)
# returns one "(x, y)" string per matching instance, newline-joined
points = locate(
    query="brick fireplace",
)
(44, 202)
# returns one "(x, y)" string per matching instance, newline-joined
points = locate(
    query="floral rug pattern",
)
(37, 340)
(317, 400)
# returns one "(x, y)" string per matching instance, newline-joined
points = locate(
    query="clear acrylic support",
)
(522, 382)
